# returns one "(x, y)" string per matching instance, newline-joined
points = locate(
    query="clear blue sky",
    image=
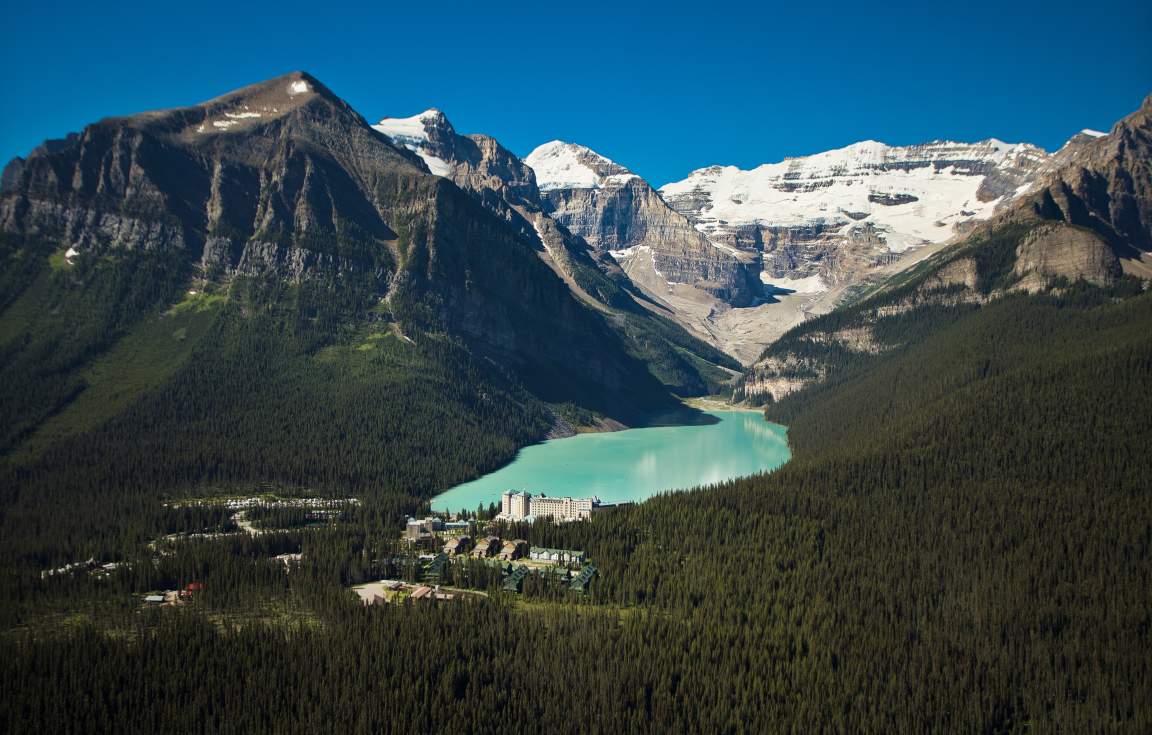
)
(662, 89)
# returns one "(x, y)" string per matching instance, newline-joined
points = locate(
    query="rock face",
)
(1055, 250)
(253, 167)
(838, 214)
(616, 211)
(283, 181)
(1103, 182)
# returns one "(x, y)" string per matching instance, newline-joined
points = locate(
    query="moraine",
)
(634, 464)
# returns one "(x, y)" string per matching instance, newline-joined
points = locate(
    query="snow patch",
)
(438, 166)
(618, 179)
(624, 254)
(808, 284)
(1092, 133)
(298, 87)
(540, 236)
(558, 166)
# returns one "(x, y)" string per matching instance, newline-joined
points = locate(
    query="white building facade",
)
(516, 505)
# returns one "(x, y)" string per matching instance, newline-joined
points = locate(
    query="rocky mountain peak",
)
(560, 165)
(418, 129)
(1102, 182)
(617, 212)
(428, 135)
(276, 99)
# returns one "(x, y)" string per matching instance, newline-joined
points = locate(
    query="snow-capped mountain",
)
(560, 165)
(834, 214)
(702, 249)
(615, 210)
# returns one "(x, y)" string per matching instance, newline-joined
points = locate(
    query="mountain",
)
(1103, 182)
(264, 288)
(833, 215)
(617, 211)
(507, 186)
(1085, 219)
(741, 256)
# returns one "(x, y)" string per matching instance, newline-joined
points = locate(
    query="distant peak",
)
(561, 165)
(413, 130)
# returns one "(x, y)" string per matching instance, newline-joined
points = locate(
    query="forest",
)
(962, 543)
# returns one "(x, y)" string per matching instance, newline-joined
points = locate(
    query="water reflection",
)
(633, 464)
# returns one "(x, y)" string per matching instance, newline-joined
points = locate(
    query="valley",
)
(401, 430)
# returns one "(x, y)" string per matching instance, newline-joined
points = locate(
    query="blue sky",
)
(661, 88)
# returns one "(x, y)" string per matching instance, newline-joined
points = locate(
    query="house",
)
(582, 581)
(515, 581)
(430, 593)
(486, 547)
(514, 550)
(458, 545)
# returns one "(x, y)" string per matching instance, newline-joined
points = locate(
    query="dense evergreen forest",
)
(962, 542)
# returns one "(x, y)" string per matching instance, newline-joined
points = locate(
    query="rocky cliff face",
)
(836, 215)
(1103, 182)
(248, 178)
(616, 211)
(283, 182)
(1055, 250)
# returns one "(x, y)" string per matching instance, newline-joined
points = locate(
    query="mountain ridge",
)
(1086, 220)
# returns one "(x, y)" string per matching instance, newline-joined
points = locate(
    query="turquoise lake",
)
(633, 464)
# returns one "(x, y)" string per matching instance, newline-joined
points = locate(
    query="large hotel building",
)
(516, 505)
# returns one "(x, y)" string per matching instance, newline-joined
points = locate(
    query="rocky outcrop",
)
(1102, 182)
(1055, 250)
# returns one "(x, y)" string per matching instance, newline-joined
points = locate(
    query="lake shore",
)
(714, 403)
(633, 465)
